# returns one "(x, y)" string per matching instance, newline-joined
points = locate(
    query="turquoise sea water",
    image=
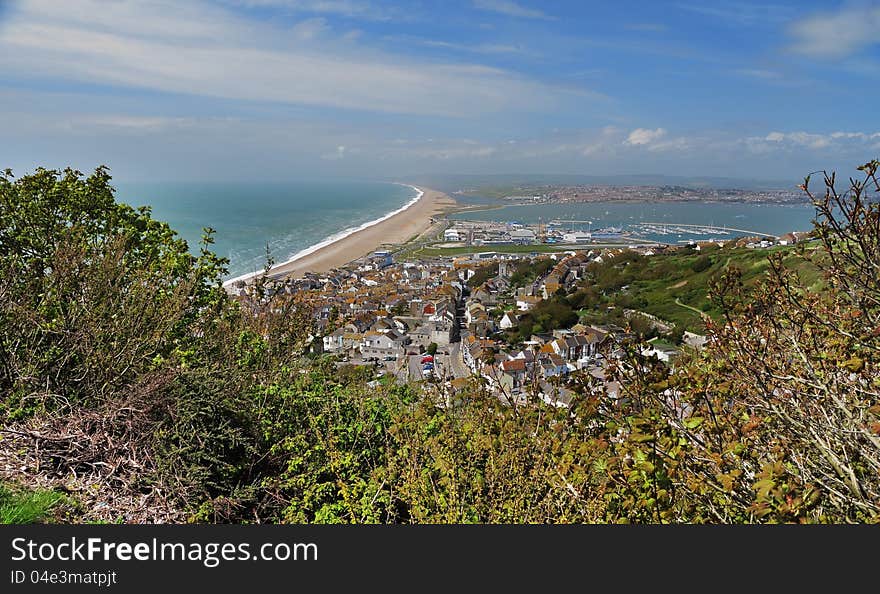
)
(290, 217)
(775, 219)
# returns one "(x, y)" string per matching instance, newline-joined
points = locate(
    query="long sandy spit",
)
(397, 229)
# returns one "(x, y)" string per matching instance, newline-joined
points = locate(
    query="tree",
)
(94, 293)
(432, 349)
(778, 419)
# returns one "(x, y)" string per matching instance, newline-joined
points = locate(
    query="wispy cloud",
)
(642, 136)
(208, 52)
(345, 8)
(480, 48)
(127, 123)
(839, 140)
(759, 73)
(743, 13)
(836, 34)
(607, 138)
(511, 8)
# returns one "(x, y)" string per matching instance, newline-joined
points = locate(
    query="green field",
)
(674, 287)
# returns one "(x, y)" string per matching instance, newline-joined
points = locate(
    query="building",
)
(791, 238)
(452, 235)
(577, 237)
(508, 320)
(513, 375)
(334, 341)
(523, 236)
(383, 344)
(663, 352)
(381, 259)
(527, 302)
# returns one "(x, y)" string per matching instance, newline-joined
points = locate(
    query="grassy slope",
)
(667, 286)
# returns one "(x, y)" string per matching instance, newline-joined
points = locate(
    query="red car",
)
(427, 359)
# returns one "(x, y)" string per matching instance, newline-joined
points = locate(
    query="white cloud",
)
(836, 34)
(345, 8)
(641, 136)
(171, 20)
(481, 48)
(742, 13)
(595, 145)
(123, 123)
(855, 135)
(673, 144)
(800, 138)
(206, 51)
(837, 141)
(510, 8)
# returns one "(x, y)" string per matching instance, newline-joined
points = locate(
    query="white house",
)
(508, 320)
(379, 344)
(452, 235)
(527, 302)
(334, 341)
(663, 353)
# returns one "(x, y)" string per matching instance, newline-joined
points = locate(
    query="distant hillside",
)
(451, 183)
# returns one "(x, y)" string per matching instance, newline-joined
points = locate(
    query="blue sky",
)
(249, 89)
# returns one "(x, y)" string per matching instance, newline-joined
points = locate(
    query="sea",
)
(292, 218)
(658, 221)
(298, 217)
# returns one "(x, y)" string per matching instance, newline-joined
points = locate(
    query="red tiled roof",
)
(514, 365)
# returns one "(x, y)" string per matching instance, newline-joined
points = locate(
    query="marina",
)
(670, 223)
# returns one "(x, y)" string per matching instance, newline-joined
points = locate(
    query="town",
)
(441, 320)
(563, 194)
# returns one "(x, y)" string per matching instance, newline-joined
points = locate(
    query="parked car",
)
(427, 359)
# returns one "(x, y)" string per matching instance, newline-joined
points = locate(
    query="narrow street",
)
(459, 369)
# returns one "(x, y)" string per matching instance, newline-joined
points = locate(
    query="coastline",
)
(396, 227)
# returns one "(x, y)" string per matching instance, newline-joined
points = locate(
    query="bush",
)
(702, 263)
(138, 377)
(94, 293)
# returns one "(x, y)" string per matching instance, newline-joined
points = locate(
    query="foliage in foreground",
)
(129, 378)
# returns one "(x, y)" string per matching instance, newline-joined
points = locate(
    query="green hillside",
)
(675, 286)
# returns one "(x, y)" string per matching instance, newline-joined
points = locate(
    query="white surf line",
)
(334, 238)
